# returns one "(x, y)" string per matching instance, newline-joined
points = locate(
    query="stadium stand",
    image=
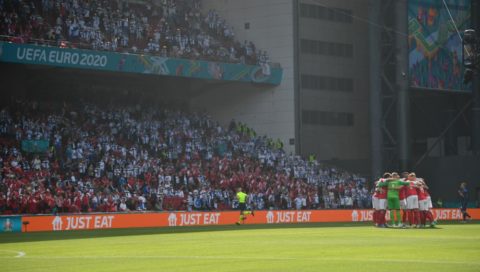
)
(63, 157)
(167, 28)
(127, 157)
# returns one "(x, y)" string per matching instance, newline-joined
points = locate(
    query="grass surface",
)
(313, 247)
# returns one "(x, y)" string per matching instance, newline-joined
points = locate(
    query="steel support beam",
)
(476, 87)
(376, 139)
(403, 95)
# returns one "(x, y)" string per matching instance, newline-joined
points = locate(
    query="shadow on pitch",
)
(86, 234)
(407, 229)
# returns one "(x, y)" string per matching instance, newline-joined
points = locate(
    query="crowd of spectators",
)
(173, 28)
(126, 158)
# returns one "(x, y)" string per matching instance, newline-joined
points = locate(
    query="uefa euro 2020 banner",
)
(435, 49)
(137, 63)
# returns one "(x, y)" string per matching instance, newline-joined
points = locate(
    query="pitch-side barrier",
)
(94, 221)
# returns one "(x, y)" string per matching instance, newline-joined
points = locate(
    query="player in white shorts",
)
(402, 193)
(402, 196)
(382, 204)
(425, 204)
(422, 196)
(375, 204)
(379, 203)
(412, 201)
(375, 201)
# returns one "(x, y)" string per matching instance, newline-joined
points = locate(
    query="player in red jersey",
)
(375, 201)
(375, 204)
(425, 204)
(381, 194)
(422, 203)
(412, 201)
(402, 195)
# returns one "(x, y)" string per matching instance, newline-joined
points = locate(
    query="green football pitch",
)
(313, 247)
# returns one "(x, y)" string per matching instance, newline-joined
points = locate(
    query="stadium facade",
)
(321, 106)
(268, 110)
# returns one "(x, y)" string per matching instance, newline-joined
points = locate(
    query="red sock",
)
(423, 216)
(381, 217)
(404, 216)
(384, 220)
(417, 217)
(411, 218)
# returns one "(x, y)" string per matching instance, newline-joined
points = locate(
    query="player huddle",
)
(407, 193)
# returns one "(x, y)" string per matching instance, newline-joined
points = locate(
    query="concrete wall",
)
(272, 111)
(269, 110)
(348, 143)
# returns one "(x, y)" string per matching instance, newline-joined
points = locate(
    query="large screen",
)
(435, 49)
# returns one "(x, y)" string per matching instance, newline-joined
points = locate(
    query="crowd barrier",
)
(176, 219)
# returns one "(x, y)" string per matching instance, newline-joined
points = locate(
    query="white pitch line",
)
(20, 254)
(245, 258)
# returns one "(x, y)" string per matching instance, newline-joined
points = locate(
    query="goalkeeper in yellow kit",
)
(394, 185)
(242, 205)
